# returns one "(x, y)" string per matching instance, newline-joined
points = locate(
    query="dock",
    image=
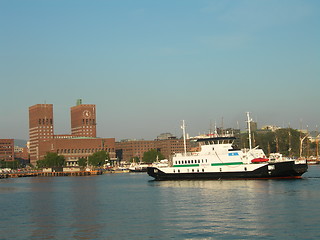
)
(49, 174)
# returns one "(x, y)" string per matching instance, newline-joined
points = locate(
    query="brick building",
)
(6, 150)
(83, 120)
(79, 147)
(128, 149)
(40, 128)
(82, 142)
(21, 154)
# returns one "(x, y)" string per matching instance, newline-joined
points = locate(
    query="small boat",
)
(138, 167)
(219, 159)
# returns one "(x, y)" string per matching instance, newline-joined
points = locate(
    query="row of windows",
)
(198, 170)
(191, 161)
(88, 121)
(45, 121)
(192, 170)
(89, 150)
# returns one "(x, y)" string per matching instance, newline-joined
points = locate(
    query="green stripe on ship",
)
(223, 164)
(190, 165)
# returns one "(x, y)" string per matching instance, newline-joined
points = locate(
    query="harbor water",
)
(133, 206)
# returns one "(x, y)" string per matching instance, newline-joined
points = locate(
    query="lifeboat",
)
(259, 160)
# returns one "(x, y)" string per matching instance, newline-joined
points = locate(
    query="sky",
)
(148, 65)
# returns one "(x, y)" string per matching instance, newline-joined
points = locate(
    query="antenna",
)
(184, 137)
(249, 129)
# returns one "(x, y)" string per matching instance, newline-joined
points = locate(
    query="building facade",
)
(81, 143)
(6, 150)
(83, 120)
(75, 148)
(126, 150)
(40, 128)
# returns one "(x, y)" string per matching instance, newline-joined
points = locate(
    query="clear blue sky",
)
(147, 65)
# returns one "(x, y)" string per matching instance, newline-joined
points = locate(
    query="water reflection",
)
(62, 208)
(235, 209)
(128, 206)
(84, 210)
(42, 204)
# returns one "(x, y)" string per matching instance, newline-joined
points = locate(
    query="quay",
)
(49, 174)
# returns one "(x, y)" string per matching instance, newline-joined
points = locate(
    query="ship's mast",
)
(184, 137)
(249, 129)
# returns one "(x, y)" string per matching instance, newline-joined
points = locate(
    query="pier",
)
(49, 174)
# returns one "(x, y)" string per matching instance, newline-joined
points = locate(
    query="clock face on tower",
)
(86, 113)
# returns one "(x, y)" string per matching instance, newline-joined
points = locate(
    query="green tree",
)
(285, 141)
(135, 159)
(152, 156)
(51, 160)
(98, 158)
(10, 164)
(82, 162)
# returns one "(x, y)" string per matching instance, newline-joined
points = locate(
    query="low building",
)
(6, 150)
(75, 148)
(126, 150)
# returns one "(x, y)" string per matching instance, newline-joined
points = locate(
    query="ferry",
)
(218, 158)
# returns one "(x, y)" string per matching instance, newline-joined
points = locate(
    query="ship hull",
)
(288, 169)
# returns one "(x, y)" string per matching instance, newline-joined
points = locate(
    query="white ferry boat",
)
(218, 159)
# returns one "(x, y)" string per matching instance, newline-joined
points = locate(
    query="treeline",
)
(10, 164)
(153, 155)
(287, 141)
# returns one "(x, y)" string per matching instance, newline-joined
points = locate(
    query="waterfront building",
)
(40, 128)
(6, 150)
(81, 143)
(128, 149)
(83, 120)
(78, 147)
(21, 154)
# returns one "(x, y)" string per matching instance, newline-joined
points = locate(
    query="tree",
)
(135, 159)
(82, 162)
(51, 160)
(98, 158)
(285, 141)
(152, 156)
(10, 164)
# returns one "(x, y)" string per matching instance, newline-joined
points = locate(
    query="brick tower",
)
(40, 128)
(83, 120)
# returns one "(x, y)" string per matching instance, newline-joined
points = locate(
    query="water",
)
(131, 206)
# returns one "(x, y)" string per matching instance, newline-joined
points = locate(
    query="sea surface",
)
(133, 206)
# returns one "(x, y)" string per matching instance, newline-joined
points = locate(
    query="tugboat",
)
(219, 159)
